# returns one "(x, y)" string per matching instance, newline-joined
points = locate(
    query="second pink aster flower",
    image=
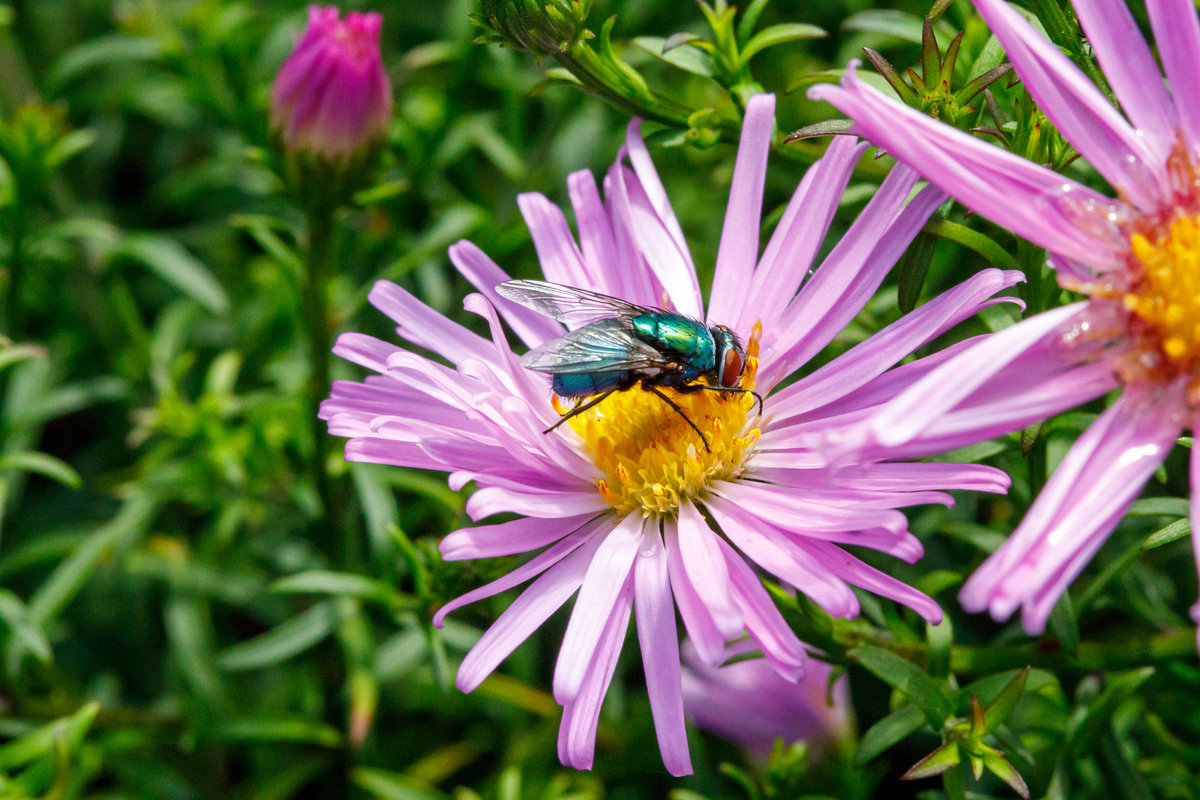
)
(625, 508)
(1133, 256)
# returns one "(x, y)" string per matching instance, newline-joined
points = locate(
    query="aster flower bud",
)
(542, 27)
(332, 99)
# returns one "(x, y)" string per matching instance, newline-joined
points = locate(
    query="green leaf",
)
(69, 577)
(900, 24)
(914, 265)
(1160, 506)
(909, 679)
(1002, 707)
(935, 763)
(890, 730)
(40, 741)
(778, 34)
(97, 53)
(335, 583)
(171, 262)
(281, 642)
(1005, 772)
(972, 454)
(42, 464)
(996, 255)
(1176, 530)
(688, 59)
(1064, 624)
(16, 617)
(277, 729)
(392, 785)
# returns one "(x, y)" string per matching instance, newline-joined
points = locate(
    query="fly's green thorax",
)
(688, 338)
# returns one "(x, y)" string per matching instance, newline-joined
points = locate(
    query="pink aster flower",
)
(331, 97)
(627, 507)
(1134, 256)
(751, 705)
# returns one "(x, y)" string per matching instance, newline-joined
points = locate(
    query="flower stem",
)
(319, 332)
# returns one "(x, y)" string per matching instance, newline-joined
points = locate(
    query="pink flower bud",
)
(332, 97)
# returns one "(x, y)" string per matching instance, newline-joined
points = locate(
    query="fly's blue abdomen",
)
(585, 383)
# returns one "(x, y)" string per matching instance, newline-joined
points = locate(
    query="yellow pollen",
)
(650, 457)
(1167, 295)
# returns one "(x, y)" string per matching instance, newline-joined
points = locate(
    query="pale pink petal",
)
(738, 252)
(508, 538)
(1077, 107)
(664, 245)
(1036, 203)
(535, 566)
(705, 568)
(482, 272)
(940, 391)
(553, 504)
(697, 619)
(764, 623)
(1177, 32)
(883, 350)
(793, 246)
(596, 240)
(424, 327)
(524, 615)
(560, 259)
(1097, 480)
(1131, 70)
(848, 568)
(608, 572)
(778, 555)
(577, 731)
(659, 641)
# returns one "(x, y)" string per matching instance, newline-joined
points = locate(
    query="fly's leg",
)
(580, 409)
(679, 411)
(696, 387)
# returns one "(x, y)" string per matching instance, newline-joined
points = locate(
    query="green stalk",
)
(16, 268)
(319, 332)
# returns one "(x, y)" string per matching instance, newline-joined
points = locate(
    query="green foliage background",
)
(179, 617)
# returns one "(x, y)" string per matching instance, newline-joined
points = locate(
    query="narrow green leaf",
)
(42, 464)
(1006, 772)
(392, 785)
(1176, 530)
(335, 583)
(16, 617)
(281, 642)
(171, 262)
(40, 741)
(1002, 707)
(909, 679)
(686, 58)
(914, 265)
(890, 730)
(930, 57)
(1064, 625)
(972, 240)
(277, 729)
(779, 34)
(902, 25)
(1160, 506)
(935, 763)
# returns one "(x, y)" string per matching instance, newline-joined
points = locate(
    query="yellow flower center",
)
(651, 458)
(1166, 297)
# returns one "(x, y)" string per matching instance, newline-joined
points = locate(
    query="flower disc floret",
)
(1167, 295)
(651, 458)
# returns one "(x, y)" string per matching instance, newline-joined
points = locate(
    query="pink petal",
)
(577, 732)
(1131, 71)
(793, 246)
(535, 566)
(1097, 480)
(508, 538)
(523, 616)
(1194, 514)
(424, 327)
(1077, 107)
(495, 500)
(697, 617)
(659, 641)
(705, 568)
(1177, 31)
(763, 620)
(738, 252)
(482, 272)
(848, 568)
(607, 573)
(1033, 201)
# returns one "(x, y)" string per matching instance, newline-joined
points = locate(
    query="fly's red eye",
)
(731, 370)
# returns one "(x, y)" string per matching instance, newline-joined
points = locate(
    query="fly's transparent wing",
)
(607, 345)
(568, 305)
